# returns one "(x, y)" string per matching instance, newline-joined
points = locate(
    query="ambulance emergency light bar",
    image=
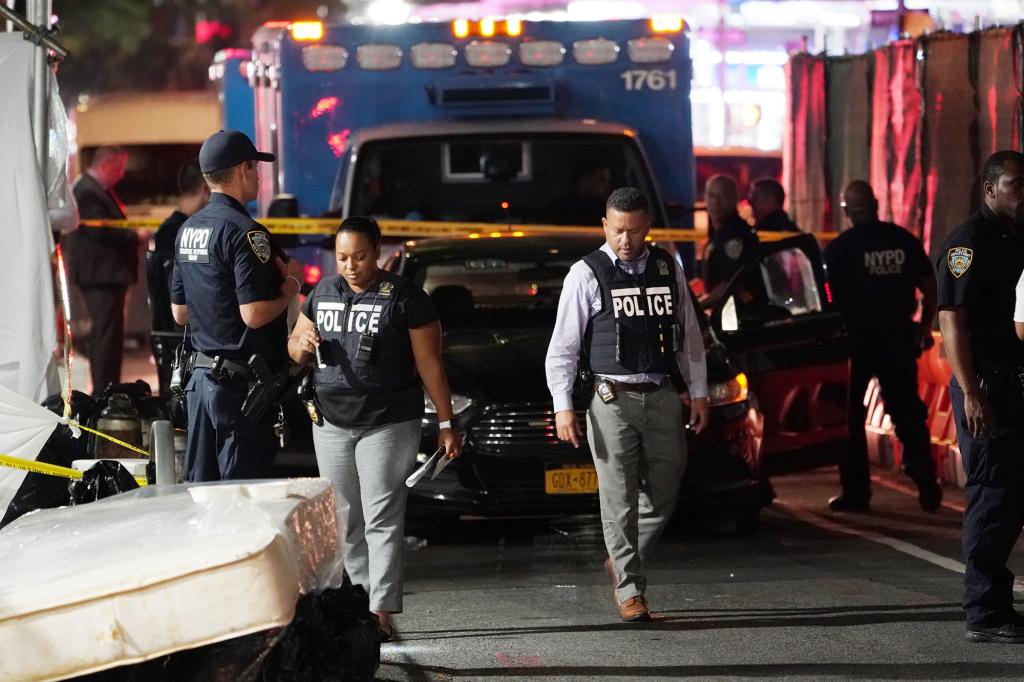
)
(484, 53)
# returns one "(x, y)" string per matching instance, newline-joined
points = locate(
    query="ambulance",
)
(496, 121)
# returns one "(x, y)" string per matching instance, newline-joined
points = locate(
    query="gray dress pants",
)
(368, 468)
(640, 453)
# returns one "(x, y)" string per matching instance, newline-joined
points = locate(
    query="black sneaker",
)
(850, 503)
(929, 495)
(1008, 633)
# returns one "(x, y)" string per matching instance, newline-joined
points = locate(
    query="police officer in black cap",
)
(875, 270)
(231, 288)
(978, 269)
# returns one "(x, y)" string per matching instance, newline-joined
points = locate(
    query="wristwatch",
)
(446, 424)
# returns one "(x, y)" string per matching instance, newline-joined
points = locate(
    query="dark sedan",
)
(497, 299)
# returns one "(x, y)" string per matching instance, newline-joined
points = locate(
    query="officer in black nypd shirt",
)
(875, 270)
(978, 268)
(231, 288)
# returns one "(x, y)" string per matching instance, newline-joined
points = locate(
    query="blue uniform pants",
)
(222, 444)
(892, 358)
(995, 513)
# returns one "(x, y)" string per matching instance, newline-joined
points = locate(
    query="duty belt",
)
(644, 387)
(222, 366)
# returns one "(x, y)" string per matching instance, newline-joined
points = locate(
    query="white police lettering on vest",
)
(629, 302)
(363, 318)
(885, 262)
(193, 244)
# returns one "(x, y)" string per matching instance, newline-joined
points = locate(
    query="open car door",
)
(775, 319)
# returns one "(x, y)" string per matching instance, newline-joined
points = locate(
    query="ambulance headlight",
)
(487, 54)
(728, 392)
(460, 404)
(649, 50)
(379, 56)
(324, 57)
(595, 51)
(433, 55)
(541, 53)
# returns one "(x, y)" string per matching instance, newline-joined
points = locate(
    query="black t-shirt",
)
(352, 393)
(167, 234)
(223, 258)
(730, 246)
(873, 270)
(776, 221)
(978, 268)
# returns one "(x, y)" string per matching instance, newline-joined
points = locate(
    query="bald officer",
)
(875, 270)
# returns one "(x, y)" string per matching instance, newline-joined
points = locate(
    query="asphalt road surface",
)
(811, 595)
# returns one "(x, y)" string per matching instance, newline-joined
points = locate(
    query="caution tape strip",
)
(110, 438)
(49, 469)
(426, 228)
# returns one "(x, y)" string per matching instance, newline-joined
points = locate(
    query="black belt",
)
(231, 368)
(623, 386)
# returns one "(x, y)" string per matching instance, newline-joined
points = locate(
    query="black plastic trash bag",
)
(105, 478)
(333, 638)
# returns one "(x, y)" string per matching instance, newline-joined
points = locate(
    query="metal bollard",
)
(161, 445)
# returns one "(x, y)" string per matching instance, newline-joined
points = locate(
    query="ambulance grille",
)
(537, 93)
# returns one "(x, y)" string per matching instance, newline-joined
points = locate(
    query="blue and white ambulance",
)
(492, 121)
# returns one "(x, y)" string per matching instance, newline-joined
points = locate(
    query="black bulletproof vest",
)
(344, 319)
(634, 331)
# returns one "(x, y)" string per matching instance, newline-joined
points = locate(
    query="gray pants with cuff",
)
(368, 468)
(640, 453)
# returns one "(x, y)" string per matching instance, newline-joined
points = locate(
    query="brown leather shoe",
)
(634, 609)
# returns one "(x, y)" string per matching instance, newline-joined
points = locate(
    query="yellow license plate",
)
(571, 480)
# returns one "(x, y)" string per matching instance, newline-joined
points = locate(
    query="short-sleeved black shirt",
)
(346, 391)
(223, 258)
(730, 246)
(873, 271)
(978, 268)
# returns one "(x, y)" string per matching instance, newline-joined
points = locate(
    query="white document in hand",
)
(422, 471)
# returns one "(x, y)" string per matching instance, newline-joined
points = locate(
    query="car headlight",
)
(728, 392)
(460, 404)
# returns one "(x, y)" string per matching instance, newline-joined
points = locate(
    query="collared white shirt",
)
(581, 300)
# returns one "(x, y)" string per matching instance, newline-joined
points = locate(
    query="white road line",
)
(899, 545)
(871, 536)
(907, 490)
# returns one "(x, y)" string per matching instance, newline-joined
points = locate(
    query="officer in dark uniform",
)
(978, 268)
(732, 239)
(231, 287)
(875, 270)
(767, 198)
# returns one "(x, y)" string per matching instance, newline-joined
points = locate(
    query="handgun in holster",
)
(265, 390)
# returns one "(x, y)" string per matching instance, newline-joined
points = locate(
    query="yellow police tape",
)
(427, 228)
(110, 438)
(48, 469)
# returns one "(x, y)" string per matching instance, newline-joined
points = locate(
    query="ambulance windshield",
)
(522, 179)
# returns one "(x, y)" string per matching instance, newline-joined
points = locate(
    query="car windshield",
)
(531, 179)
(495, 290)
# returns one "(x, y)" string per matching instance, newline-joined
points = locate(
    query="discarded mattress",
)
(159, 570)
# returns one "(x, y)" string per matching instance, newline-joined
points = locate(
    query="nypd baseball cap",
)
(228, 148)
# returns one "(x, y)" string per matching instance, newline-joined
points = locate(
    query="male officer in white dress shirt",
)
(626, 315)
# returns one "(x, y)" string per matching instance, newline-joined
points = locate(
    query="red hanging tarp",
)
(949, 160)
(804, 147)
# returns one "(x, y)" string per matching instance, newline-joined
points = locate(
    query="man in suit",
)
(103, 262)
